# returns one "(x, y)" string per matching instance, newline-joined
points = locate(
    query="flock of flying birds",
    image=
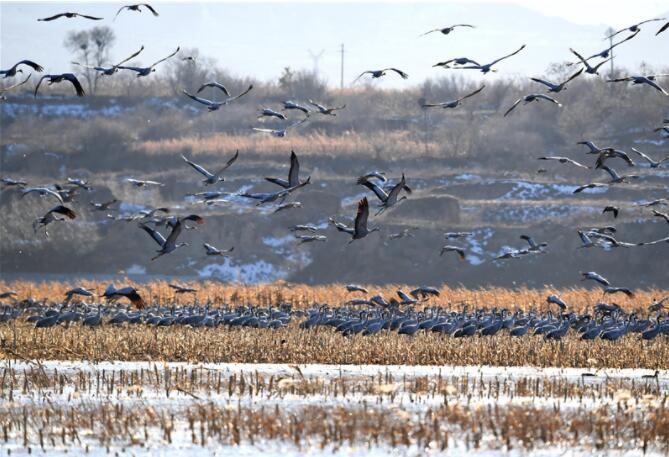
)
(387, 194)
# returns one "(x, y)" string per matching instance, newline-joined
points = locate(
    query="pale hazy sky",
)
(259, 39)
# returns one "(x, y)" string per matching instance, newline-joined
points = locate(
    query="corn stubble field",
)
(293, 345)
(235, 391)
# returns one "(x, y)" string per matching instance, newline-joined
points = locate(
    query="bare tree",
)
(91, 48)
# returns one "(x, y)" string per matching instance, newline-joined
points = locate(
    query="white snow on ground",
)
(278, 242)
(135, 269)
(477, 243)
(401, 399)
(654, 142)
(524, 214)
(248, 273)
(525, 190)
(346, 201)
(126, 208)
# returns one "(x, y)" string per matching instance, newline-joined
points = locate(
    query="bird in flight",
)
(293, 174)
(13, 86)
(215, 85)
(589, 68)
(289, 104)
(378, 73)
(212, 105)
(651, 162)
(280, 133)
(145, 71)
(274, 196)
(136, 8)
(359, 229)
(143, 183)
(488, 67)
(213, 251)
(15, 69)
(69, 16)
(635, 27)
(212, 178)
(641, 79)
(457, 249)
(43, 191)
(388, 199)
(456, 61)
(565, 160)
(108, 71)
(531, 98)
(269, 112)
(170, 244)
(452, 103)
(611, 209)
(53, 79)
(552, 87)
(447, 30)
(324, 110)
(52, 216)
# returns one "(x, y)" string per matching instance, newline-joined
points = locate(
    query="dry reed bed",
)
(294, 345)
(388, 145)
(624, 416)
(579, 299)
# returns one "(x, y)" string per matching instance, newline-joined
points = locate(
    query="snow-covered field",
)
(403, 394)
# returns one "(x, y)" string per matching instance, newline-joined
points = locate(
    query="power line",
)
(316, 58)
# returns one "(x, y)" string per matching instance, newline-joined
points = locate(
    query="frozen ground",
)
(406, 392)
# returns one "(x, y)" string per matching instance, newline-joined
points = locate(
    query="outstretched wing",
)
(240, 95)
(399, 72)
(507, 56)
(395, 191)
(655, 85)
(362, 215)
(228, 163)
(155, 13)
(168, 57)
(131, 57)
(204, 101)
(64, 210)
(5, 89)
(542, 81)
(662, 29)
(380, 193)
(31, 64)
(472, 94)
(216, 85)
(513, 106)
(294, 172)
(198, 168)
(155, 234)
(320, 107)
(428, 32)
(90, 17)
(75, 82)
(644, 156)
(575, 75)
(51, 18)
(579, 56)
(362, 74)
(119, 11)
(39, 83)
(550, 99)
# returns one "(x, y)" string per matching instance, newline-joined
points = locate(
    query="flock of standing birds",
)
(608, 321)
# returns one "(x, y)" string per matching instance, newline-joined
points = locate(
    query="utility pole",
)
(316, 58)
(341, 81)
